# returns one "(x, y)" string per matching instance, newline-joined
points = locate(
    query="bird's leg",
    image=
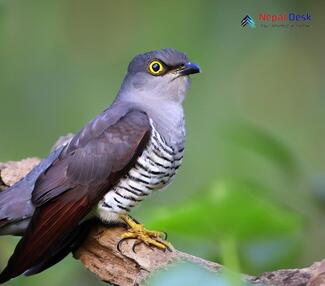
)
(150, 238)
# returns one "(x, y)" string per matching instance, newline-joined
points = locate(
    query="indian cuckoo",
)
(134, 147)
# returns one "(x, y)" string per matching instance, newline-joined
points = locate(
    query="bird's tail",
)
(69, 243)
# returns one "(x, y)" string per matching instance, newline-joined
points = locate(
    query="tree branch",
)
(99, 253)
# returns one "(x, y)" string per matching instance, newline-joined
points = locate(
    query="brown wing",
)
(74, 184)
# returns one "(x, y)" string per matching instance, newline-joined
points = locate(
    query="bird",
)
(130, 150)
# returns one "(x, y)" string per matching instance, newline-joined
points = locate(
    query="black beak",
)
(188, 69)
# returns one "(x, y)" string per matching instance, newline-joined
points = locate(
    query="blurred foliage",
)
(250, 193)
(227, 209)
(232, 215)
(264, 144)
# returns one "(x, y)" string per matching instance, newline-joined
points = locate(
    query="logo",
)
(280, 20)
(284, 17)
(248, 21)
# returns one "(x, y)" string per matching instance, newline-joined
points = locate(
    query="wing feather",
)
(73, 185)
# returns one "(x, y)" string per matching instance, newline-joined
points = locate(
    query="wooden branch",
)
(99, 253)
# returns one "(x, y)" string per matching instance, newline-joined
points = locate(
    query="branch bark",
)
(99, 253)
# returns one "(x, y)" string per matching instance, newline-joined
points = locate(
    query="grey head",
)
(158, 75)
(156, 82)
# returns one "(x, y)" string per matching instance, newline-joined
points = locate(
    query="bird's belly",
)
(153, 170)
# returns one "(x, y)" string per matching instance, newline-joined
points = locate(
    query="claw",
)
(165, 235)
(120, 243)
(149, 238)
(135, 245)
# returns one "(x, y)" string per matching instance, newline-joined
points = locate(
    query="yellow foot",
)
(150, 238)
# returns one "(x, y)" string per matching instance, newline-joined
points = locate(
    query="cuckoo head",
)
(158, 75)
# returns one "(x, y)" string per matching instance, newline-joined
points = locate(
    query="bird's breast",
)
(153, 170)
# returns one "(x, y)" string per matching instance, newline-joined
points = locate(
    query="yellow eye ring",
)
(156, 68)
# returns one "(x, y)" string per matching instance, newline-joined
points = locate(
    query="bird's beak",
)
(188, 69)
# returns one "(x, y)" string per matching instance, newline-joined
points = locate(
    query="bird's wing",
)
(68, 190)
(16, 206)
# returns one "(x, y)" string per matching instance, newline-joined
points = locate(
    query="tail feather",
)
(71, 243)
(68, 244)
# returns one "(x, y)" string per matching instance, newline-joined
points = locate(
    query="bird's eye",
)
(156, 68)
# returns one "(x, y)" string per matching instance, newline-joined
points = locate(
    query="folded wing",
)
(68, 190)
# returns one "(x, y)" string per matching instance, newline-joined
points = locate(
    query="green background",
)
(251, 191)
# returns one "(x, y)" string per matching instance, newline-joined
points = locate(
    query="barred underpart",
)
(153, 170)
